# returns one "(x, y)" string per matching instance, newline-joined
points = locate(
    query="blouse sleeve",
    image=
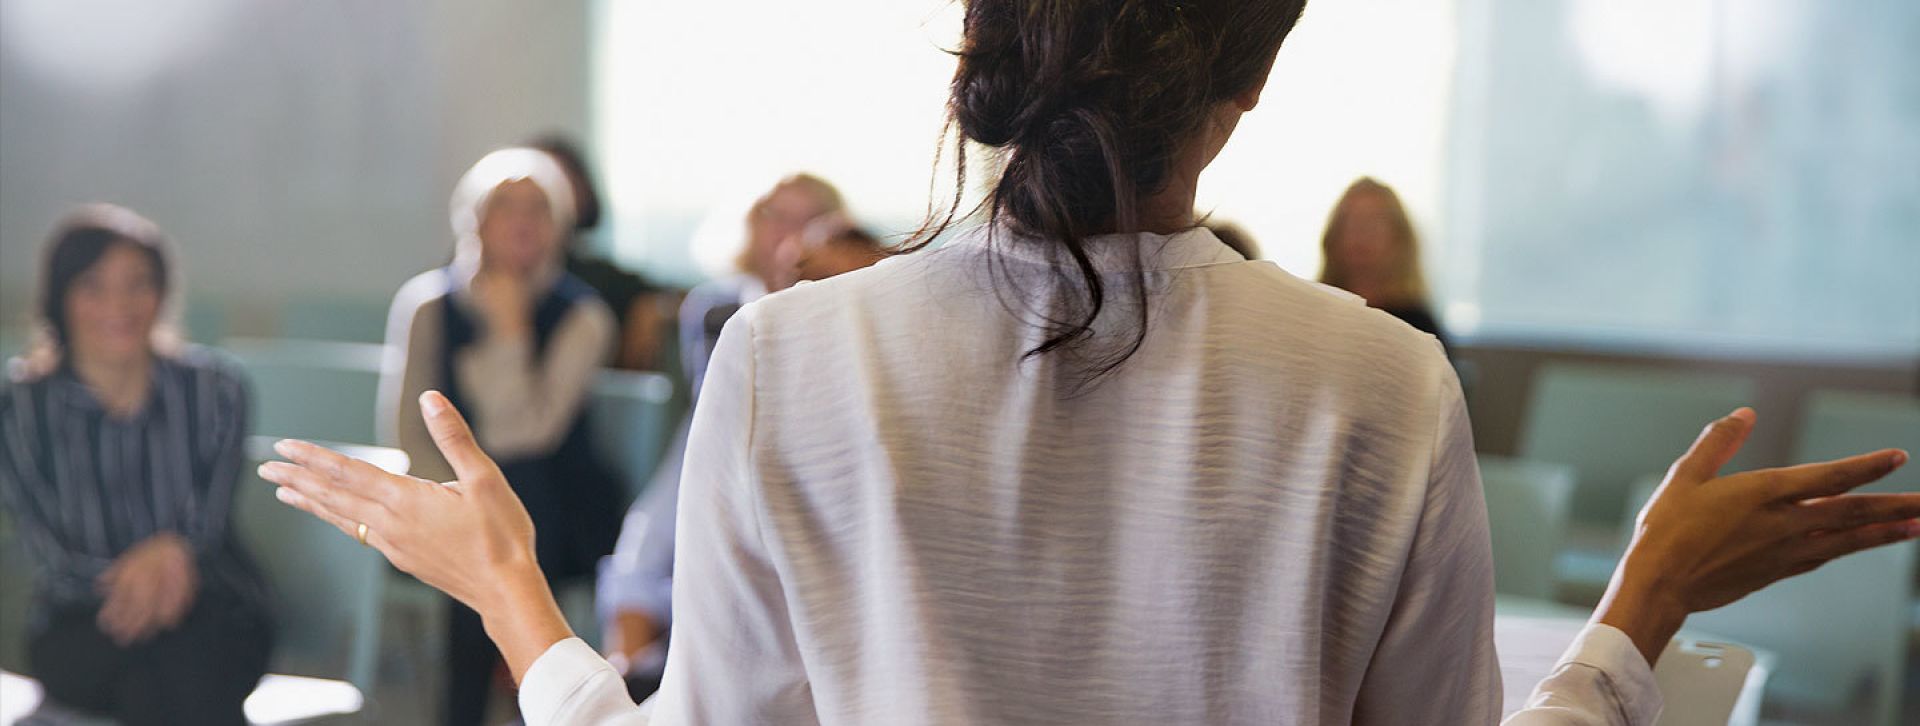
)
(526, 404)
(1438, 640)
(1601, 681)
(28, 496)
(223, 425)
(734, 656)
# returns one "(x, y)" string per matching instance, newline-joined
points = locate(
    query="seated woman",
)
(1370, 249)
(517, 341)
(119, 454)
(643, 310)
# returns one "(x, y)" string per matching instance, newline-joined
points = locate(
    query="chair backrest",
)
(358, 320)
(1614, 425)
(327, 587)
(632, 419)
(1527, 512)
(205, 320)
(1701, 682)
(1832, 628)
(1843, 423)
(313, 389)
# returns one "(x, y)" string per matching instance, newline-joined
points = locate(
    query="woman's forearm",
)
(523, 620)
(1636, 604)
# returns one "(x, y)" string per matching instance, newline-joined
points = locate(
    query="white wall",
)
(289, 148)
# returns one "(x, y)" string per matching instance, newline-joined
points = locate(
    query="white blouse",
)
(1269, 514)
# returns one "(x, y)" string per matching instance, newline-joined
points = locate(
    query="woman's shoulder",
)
(422, 290)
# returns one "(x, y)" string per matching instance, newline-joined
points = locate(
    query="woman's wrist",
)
(1640, 606)
(521, 616)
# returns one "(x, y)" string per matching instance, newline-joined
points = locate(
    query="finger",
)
(1717, 444)
(1827, 546)
(318, 489)
(344, 472)
(104, 583)
(110, 616)
(454, 438)
(1856, 510)
(1828, 478)
(348, 527)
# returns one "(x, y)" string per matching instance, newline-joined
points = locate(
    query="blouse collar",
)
(1192, 247)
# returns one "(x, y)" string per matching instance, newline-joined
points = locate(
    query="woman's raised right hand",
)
(1706, 540)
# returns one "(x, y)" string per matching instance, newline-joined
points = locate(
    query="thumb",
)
(454, 438)
(1716, 446)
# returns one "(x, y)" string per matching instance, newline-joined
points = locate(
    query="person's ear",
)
(1246, 100)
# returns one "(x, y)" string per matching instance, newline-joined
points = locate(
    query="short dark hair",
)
(79, 241)
(586, 199)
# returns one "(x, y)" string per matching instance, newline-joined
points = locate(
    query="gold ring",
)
(361, 534)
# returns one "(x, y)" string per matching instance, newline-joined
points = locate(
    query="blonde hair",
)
(1408, 283)
(722, 244)
(474, 192)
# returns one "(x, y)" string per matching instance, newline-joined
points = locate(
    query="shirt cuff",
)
(557, 682)
(1624, 671)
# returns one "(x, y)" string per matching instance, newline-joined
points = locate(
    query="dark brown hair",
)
(79, 242)
(76, 245)
(1085, 104)
(586, 199)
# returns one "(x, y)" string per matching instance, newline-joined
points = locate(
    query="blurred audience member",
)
(796, 231)
(1370, 250)
(643, 311)
(119, 454)
(516, 341)
(1236, 237)
(771, 222)
(829, 245)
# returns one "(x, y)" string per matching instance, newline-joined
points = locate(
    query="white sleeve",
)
(1601, 681)
(733, 657)
(570, 685)
(1435, 660)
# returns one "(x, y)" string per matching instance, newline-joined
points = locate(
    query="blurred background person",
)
(797, 231)
(119, 454)
(1370, 249)
(643, 311)
(774, 217)
(513, 337)
(831, 244)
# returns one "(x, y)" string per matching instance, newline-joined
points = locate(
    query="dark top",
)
(615, 285)
(84, 486)
(1422, 319)
(572, 498)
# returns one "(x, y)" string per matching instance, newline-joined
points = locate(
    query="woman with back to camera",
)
(516, 341)
(1069, 469)
(119, 454)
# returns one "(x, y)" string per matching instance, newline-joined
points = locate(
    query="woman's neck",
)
(120, 383)
(1170, 210)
